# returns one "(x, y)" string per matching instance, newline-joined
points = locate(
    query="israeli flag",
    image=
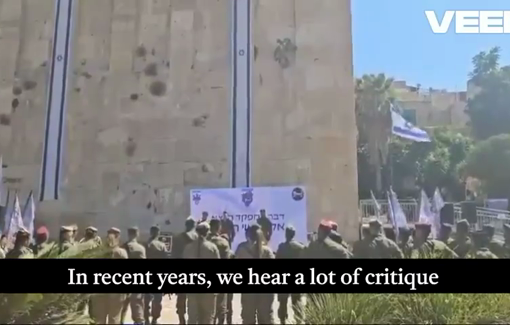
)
(404, 129)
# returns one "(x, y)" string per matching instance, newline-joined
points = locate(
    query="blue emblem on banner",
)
(247, 197)
(298, 194)
(196, 198)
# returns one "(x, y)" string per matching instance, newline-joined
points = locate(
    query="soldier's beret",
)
(155, 227)
(463, 223)
(422, 225)
(374, 222)
(203, 225)
(290, 228)
(506, 227)
(92, 229)
(447, 225)
(42, 231)
(325, 224)
(113, 230)
(133, 229)
(66, 228)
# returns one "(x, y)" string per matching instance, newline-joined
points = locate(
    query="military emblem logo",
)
(298, 194)
(247, 196)
(196, 198)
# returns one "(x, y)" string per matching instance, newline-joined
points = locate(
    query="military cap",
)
(422, 225)
(133, 229)
(203, 225)
(92, 229)
(463, 223)
(155, 227)
(66, 228)
(447, 225)
(506, 227)
(374, 222)
(113, 230)
(42, 230)
(325, 224)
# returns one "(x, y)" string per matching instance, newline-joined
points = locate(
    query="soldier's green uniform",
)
(379, 246)
(495, 245)
(21, 243)
(224, 249)
(178, 245)
(389, 232)
(359, 247)
(336, 237)
(324, 246)
(290, 249)
(461, 244)
(135, 251)
(423, 247)
(481, 242)
(66, 239)
(445, 233)
(91, 239)
(153, 301)
(202, 307)
(256, 308)
(107, 308)
(405, 242)
(41, 244)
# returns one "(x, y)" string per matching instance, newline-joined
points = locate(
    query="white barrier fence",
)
(411, 208)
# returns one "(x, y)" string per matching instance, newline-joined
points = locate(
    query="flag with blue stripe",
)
(406, 130)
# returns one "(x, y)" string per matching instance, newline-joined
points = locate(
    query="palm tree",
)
(373, 96)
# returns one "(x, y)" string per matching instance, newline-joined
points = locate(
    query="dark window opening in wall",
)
(410, 115)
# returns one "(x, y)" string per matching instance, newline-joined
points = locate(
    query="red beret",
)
(42, 231)
(326, 224)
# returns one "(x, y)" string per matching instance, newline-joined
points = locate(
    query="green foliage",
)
(407, 309)
(55, 308)
(489, 110)
(489, 161)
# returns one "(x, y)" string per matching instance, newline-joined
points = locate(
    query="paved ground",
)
(169, 315)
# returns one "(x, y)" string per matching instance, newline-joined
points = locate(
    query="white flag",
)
(376, 205)
(437, 205)
(391, 215)
(426, 215)
(404, 129)
(16, 220)
(29, 214)
(397, 212)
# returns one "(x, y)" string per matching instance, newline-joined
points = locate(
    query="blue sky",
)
(394, 37)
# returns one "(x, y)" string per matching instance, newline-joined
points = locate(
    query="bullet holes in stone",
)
(285, 52)
(151, 70)
(134, 97)
(5, 119)
(141, 51)
(157, 88)
(17, 90)
(29, 84)
(130, 147)
(14, 104)
(200, 121)
(86, 75)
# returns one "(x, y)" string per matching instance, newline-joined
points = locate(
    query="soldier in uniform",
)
(379, 246)
(256, 307)
(228, 232)
(290, 249)
(389, 232)
(461, 243)
(481, 240)
(224, 249)
(445, 233)
(359, 247)
(495, 245)
(405, 242)
(40, 244)
(66, 239)
(423, 247)
(20, 249)
(135, 251)
(74, 234)
(154, 249)
(181, 241)
(91, 235)
(202, 306)
(324, 246)
(107, 308)
(265, 225)
(335, 235)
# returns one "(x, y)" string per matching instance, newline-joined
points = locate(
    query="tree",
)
(489, 109)
(488, 162)
(373, 93)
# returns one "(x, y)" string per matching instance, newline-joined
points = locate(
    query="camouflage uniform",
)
(445, 234)
(461, 244)
(20, 249)
(481, 242)
(389, 232)
(495, 245)
(154, 249)
(256, 307)
(291, 249)
(429, 248)
(405, 242)
(379, 246)
(107, 308)
(178, 245)
(91, 239)
(135, 251)
(65, 243)
(359, 247)
(324, 246)
(41, 245)
(202, 307)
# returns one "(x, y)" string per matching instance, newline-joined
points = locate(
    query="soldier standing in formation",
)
(461, 243)
(40, 244)
(290, 249)
(135, 251)
(228, 232)
(21, 244)
(107, 308)
(153, 301)
(379, 246)
(202, 306)
(224, 249)
(66, 239)
(91, 239)
(481, 241)
(445, 233)
(495, 245)
(405, 242)
(423, 247)
(324, 246)
(188, 236)
(256, 307)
